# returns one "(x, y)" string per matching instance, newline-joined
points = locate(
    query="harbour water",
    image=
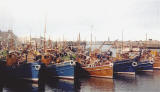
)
(142, 82)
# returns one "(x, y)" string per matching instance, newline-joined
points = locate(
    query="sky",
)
(67, 18)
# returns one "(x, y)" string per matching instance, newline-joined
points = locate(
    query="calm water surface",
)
(142, 82)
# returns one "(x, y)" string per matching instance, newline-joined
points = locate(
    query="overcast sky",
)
(69, 17)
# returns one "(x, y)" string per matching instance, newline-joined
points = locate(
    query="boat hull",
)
(125, 66)
(105, 71)
(2, 71)
(65, 70)
(156, 64)
(27, 71)
(144, 66)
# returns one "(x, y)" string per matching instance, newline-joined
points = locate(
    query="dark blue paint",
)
(124, 66)
(63, 70)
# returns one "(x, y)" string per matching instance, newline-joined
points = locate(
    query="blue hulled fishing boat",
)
(141, 61)
(145, 61)
(122, 64)
(125, 66)
(144, 66)
(28, 71)
(62, 70)
(22, 70)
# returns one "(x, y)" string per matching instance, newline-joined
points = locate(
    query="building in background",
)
(8, 39)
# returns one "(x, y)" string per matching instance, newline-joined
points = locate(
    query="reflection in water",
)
(97, 85)
(125, 83)
(142, 82)
(62, 85)
(82, 85)
(20, 86)
(149, 82)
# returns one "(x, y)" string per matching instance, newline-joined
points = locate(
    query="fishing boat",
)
(59, 69)
(125, 66)
(96, 65)
(122, 64)
(145, 61)
(140, 60)
(144, 66)
(22, 70)
(102, 71)
(56, 63)
(64, 70)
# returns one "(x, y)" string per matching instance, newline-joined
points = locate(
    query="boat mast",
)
(91, 40)
(44, 44)
(11, 42)
(50, 43)
(122, 42)
(79, 42)
(30, 41)
(145, 42)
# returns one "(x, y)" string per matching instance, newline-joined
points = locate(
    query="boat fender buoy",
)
(37, 67)
(111, 64)
(134, 64)
(151, 62)
(72, 62)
